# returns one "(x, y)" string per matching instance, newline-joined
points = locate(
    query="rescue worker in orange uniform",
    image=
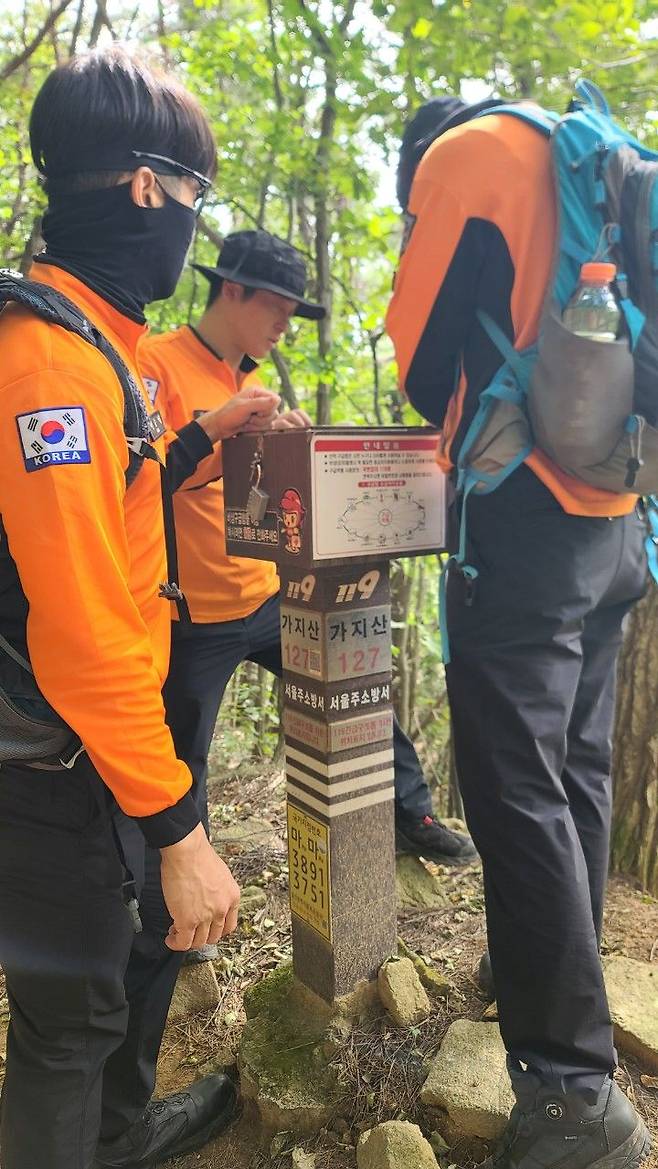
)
(256, 288)
(126, 155)
(533, 640)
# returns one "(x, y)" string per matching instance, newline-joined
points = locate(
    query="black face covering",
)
(129, 255)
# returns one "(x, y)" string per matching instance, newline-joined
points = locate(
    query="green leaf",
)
(422, 29)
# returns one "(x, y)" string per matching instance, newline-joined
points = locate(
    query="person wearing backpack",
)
(126, 155)
(544, 571)
(256, 288)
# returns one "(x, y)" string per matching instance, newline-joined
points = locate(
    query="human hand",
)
(199, 891)
(292, 420)
(251, 410)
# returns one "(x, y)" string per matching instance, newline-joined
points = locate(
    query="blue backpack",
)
(592, 407)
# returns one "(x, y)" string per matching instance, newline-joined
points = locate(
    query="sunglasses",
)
(169, 166)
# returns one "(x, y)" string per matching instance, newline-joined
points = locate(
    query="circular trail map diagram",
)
(382, 518)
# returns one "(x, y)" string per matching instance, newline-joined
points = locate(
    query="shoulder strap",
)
(56, 309)
(542, 120)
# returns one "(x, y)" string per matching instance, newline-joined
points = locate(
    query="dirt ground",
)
(383, 1071)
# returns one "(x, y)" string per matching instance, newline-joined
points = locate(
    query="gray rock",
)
(395, 1145)
(468, 1080)
(402, 992)
(302, 1160)
(417, 888)
(632, 989)
(196, 990)
(430, 977)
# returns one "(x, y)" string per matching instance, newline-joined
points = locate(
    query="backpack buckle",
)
(170, 591)
(69, 758)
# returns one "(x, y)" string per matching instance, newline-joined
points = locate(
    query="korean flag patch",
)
(53, 437)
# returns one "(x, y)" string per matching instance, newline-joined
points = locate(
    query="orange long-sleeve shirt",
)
(186, 378)
(483, 220)
(90, 554)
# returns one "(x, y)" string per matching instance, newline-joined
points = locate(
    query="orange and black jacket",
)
(480, 235)
(185, 378)
(82, 557)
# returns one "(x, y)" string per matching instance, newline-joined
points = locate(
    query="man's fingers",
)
(216, 931)
(201, 936)
(231, 920)
(292, 420)
(299, 418)
(259, 422)
(178, 939)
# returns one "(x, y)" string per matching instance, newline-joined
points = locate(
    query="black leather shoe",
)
(171, 1127)
(431, 839)
(563, 1130)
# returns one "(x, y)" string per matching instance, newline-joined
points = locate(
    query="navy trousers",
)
(531, 686)
(88, 998)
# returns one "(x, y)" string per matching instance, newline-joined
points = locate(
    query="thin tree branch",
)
(287, 388)
(347, 16)
(101, 20)
(76, 28)
(15, 62)
(374, 339)
(314, 27)
(245, 211)
(210, 233)
(33, 244)
(278, 92)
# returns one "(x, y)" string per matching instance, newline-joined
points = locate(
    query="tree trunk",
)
(401, 592)
(635, 759)
(323, 235)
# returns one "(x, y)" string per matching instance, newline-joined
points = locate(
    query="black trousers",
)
(203, 660)
(531, 687)
(88, 998)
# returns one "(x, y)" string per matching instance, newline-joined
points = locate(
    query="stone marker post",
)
(332, 506)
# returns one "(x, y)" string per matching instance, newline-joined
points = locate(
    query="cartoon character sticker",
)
(293, 514)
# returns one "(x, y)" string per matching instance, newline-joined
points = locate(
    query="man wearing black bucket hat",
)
(260, 261)
(257, 286)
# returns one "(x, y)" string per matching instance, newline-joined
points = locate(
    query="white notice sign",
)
(376, 494)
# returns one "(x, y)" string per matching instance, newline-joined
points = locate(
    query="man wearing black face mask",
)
(125, 154)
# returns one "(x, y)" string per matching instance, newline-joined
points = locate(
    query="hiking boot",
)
(431, 839)
(178, 1124)
(484, 977)
(563, 1130)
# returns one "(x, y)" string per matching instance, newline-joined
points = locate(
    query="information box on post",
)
(332, 507)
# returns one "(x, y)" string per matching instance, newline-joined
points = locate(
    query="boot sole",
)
(630, 1154)
(406, 847)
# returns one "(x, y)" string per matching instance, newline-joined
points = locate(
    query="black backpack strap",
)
(56, 309)
(171, 589)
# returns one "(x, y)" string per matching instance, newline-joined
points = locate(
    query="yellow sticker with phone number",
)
(308, 859)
